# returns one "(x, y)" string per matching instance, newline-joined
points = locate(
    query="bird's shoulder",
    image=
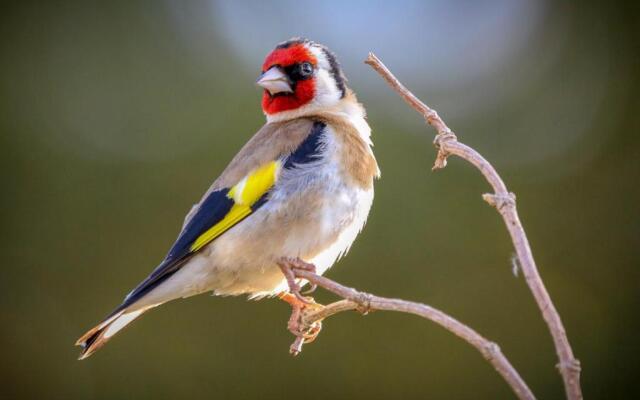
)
(271, 142)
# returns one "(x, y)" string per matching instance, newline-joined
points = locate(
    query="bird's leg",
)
(299, 304)
(288, 266)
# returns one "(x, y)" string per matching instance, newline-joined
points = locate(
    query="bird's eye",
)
(306, 69)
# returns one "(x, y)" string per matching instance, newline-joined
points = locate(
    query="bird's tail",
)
(96, 337)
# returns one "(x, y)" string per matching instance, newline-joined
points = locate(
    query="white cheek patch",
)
(323, 63)
(327, 91)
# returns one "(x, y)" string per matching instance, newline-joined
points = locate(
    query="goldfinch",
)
(297, 194)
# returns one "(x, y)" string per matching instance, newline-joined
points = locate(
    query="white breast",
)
(359, 202)
(345, 209)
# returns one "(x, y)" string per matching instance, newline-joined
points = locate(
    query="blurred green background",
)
(116, 116)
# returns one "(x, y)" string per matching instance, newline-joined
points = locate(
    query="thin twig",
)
(505, 202)
(364, 302)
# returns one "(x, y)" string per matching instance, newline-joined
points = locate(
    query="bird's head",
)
(299, 75)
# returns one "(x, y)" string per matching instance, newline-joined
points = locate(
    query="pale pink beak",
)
(275, 81)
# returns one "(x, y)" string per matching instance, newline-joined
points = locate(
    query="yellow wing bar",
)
(244, 194)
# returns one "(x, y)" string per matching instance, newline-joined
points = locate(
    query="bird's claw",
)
(304, 337)
(311, 289)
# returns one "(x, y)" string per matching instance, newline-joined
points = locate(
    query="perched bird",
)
(296, 195)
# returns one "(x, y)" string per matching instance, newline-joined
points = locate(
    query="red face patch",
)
(304, 90)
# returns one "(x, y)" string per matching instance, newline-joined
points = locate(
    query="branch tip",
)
(371, 58)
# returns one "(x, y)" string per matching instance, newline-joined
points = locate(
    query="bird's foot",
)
(304, 332)
(308, 337)
(300, 305)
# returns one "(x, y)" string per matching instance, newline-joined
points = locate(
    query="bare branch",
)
(364, 302)
(504, 201)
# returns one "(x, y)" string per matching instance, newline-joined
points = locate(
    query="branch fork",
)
(440, 142)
